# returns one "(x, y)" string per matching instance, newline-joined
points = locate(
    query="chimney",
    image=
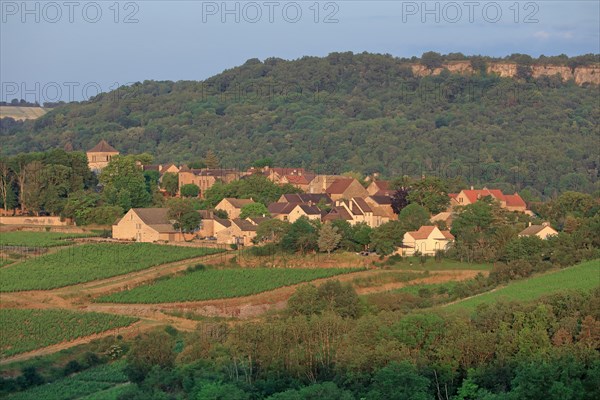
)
(545, 224)
(471, 187)
(529, 223)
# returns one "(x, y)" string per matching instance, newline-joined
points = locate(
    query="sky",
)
(69, 50)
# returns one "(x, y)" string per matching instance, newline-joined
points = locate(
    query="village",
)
(323, 198)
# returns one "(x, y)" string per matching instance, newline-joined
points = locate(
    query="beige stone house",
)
(239, 232)
(511, 202)
(212, 226)
(100, 155)
(233, 206)
(346, 188)
(146, 225)
(205, 178)
(542, 231)
(427, 241)
(379, 188)
(357, 210)
(291, 212)
(320, 183)
(383, 203)
(162, 169)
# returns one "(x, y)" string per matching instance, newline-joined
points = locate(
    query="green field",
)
(103, 382)
(90, 262)
(23, 330)
(220, 283)
(585, 276)
(431, 264)
(39, 239)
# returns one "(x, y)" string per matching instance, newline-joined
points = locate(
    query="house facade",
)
(542, 231)
(146, 225)
(346, 188)
(233, 206)
(427, 241)
(511, 202)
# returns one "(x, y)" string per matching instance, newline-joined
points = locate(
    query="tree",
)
(153, 349)
(187, 219)
(339, 298)
(400, 199)
(170, 183)
(211, 160)
(301, 236)
(124, 183)
(190, 190)
(271, 230)
(387, 237)
(329, 238)
(6, 181)
(305, 301)
(432, 60)
(254, 210)
(413, 216)
(399, 381)
(220, 391)
(430, 192)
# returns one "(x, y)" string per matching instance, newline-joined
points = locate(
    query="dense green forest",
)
(359, 112)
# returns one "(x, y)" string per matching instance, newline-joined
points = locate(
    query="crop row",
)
(38, 239)
(23, 330)
(78, 264)
(96, 382)
(220, 283)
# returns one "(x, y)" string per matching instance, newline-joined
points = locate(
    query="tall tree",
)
(329, 238)
(211, 160)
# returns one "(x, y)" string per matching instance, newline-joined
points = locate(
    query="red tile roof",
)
(514, 200)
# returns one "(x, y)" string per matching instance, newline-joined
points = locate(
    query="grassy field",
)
(104, 382)
(23, 330)
(90, 262)
(22, 113)
(431, 264)
(585, 276)
(39, 239)
(220, 283)
(385, 277)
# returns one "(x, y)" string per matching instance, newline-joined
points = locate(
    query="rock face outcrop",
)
(581, 75)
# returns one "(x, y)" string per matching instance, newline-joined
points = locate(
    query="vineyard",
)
(90, 262)
(104, 382)
(39, 239)
(24, 330)
(585, 276)
(220, 283)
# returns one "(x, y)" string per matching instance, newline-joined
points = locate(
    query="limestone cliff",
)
(581, 75)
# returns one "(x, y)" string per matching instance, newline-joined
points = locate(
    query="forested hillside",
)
(360, 112)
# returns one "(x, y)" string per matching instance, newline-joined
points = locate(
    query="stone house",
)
(100, 155)
(147, 225)
(542, 231)
(233, 206)
(427, 241)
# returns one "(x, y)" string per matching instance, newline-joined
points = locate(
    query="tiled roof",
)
(362, 204)
(422, 233)
(338, 213)
(533, 230)
(339, 186)
(238, 203)
(381, 199)
(153, 216)
(310, 210)
(514, 200)
(307, 197)
(103, 147)
(243, 224)
(225, 222)
(281, 208)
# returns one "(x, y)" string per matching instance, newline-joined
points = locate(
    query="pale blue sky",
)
(188, 40)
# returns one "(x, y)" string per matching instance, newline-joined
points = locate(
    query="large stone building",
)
(146, 225)
(100, 155)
